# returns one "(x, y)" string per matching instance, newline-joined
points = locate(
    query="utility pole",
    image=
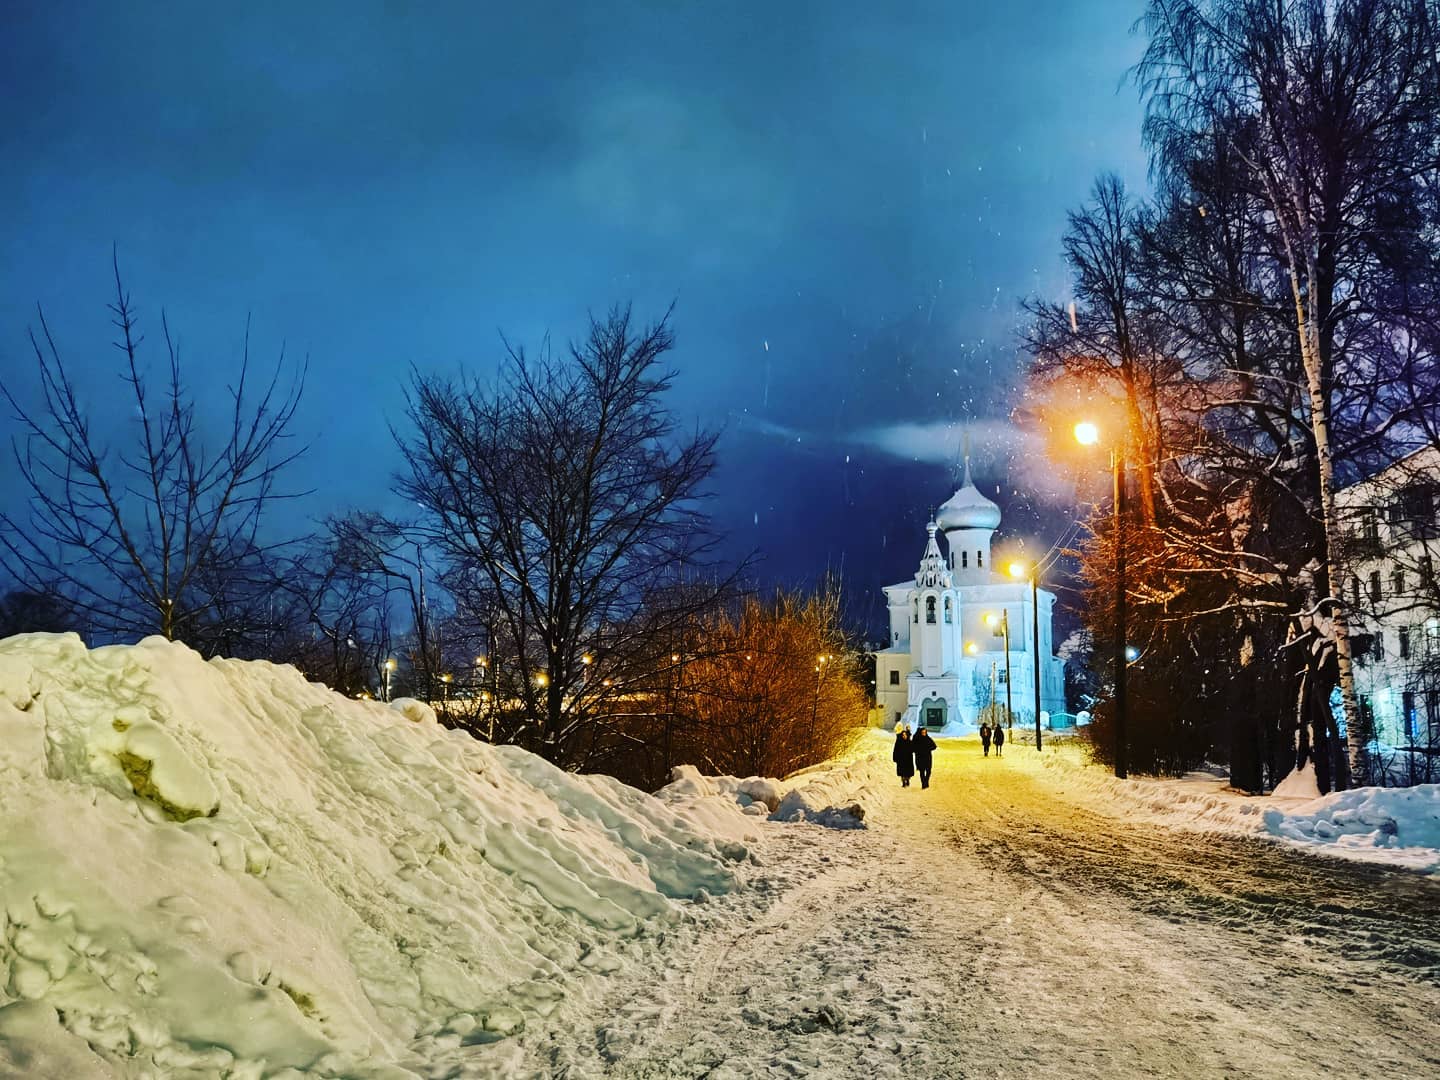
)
(1121, 657)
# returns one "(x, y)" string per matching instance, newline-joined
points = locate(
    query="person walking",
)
(924, 747)
(985, 738)
(999, 740)
(903, 755)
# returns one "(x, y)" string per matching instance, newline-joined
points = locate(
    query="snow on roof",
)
(219, 866)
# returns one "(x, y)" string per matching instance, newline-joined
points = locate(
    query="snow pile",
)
(219, 868)
(835, 794)
(1404, 822)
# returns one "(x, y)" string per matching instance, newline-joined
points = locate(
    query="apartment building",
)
(1391, 522)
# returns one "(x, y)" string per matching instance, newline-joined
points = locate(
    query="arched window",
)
(915, 612)
(979, 558)
(949, 614)
(929, 609)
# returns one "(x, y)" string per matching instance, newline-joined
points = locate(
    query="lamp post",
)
(820, 662)
(1017, 570)
(1087, 434)
(1003, 621)
(389, 673)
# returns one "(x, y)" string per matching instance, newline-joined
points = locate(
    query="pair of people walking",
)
(995, 735)
(912, 755)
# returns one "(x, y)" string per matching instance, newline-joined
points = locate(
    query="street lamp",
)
(389, 673)
(1017, 570)
(820, 662)
(1087, 434)
(1003, 622)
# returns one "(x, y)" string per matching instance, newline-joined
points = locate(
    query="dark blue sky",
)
(846, 200)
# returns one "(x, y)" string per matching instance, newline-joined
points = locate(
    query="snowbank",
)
(221, 869)
(835, 794)
(1400, 825)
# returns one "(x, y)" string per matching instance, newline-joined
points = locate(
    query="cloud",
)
(941, 442)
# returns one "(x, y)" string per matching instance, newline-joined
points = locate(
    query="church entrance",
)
(932, 712)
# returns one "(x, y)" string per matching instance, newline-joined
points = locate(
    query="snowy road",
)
(992, 927)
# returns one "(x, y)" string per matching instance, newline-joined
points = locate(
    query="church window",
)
(979, 560)
(964, 560)
(949, 612)
(915, 612)
(894, 676)
(929, 609)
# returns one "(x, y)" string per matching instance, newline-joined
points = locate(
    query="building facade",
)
(1391, 524)
(947, 656)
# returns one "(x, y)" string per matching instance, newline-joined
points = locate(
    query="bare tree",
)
(163, 532)
(1337, 103)
(564, 506)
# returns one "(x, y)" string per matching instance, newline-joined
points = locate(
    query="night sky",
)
(846, 201)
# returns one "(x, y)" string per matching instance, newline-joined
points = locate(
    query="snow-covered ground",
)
(1395, 826)
(220, 870)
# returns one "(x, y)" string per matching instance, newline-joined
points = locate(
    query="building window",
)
(1407, 706)
(1355, 591)
(1405, 643)
(915, 612)
(1397, 582)
(930, 609)
(1432, 716)
(1379, 647)
(1369, 525)
(1432, 637)
(894, 676)
(1392, 513)
(949, 611)
(1427, 569)
(1374, 584)
(979, 560)
(964, 560)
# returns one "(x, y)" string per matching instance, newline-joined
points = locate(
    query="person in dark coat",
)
(999, 737)
(904, 757)
(924, 746)
(985, 738)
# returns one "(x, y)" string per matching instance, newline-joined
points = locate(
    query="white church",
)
(947, 654)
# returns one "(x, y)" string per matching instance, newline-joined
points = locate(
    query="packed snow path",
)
(989, 927)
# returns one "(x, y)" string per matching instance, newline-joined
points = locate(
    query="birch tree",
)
(1340, 101)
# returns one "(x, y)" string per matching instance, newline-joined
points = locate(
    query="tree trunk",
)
(1334, 538)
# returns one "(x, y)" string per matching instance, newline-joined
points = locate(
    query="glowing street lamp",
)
(389, 673)
(1087, 434)
(820, 662)
(972, 648)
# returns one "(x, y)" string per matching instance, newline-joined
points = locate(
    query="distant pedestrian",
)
(924, 746)
(904, 755)
(985, 738)
(999, 740)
